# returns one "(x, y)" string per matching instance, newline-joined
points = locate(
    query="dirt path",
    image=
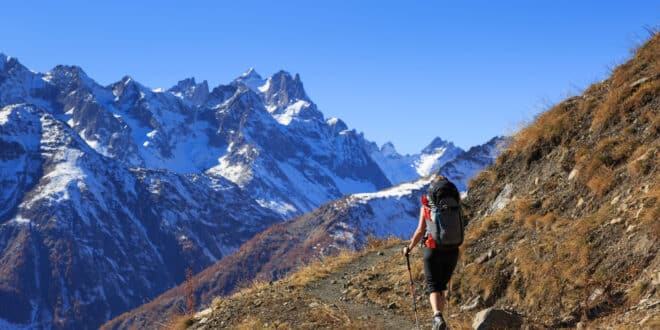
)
(336, 289)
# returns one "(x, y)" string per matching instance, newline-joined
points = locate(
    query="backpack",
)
(445, 223)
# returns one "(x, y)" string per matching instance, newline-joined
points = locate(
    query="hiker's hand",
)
(406, 251)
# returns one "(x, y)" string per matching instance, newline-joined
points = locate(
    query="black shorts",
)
(438, 267)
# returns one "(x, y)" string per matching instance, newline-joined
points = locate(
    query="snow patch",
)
(277, 206)
(427, 162)
(290, 112)
(404, 189)
(20, 220)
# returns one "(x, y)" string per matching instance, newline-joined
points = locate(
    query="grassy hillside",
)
(575, 236)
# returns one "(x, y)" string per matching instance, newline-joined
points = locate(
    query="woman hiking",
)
(441, 224)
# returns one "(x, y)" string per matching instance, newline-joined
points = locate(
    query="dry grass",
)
(592, 172)
(549, 127)
(643, 161)
(489, 223)
(322, 268)
(180, 322)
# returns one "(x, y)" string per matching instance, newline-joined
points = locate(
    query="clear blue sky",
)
(400, 71)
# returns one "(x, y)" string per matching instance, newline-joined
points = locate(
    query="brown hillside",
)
(575, 236)
(269, 255)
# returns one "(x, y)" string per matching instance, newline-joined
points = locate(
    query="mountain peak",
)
(6, 60)
(388, 149)
(251, 73)
(72, 71)
(435, 144)
(336, 124)
(251, 79)
(190, 90)
(282, 89)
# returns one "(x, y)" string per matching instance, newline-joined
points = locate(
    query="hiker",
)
(442, 239)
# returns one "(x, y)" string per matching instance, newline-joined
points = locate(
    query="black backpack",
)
(446, 223)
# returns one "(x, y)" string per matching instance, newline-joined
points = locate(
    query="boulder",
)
(492, 318)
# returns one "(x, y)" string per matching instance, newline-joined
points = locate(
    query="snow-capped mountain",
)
(84, 238)
(110, 192)
(403, 168)
(267, 136)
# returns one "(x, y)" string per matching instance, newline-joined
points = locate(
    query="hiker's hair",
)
(440, 177)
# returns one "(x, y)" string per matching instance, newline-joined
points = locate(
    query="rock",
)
(594, 295)
(648, 303)
(485, 257)
(473, 304)
(615, 200)
(638, 82)
(492, 253)
(392, 305)
(502, 199)
(482, 258)
(615, 221)
(568, 319)
(656, 279)
(491, 318)
(203, 313)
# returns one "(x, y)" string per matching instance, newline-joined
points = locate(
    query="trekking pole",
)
(412, 291)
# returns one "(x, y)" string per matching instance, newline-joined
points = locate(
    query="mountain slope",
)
(565, 223)
(82, 241)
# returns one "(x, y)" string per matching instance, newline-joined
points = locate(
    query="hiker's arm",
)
(419, 232)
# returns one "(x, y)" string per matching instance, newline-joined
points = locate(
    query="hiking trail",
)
(333, 290)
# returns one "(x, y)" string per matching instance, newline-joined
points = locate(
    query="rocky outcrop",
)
(491, 319)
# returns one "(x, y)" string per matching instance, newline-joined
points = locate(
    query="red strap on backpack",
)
(430, 242)
(427, 209)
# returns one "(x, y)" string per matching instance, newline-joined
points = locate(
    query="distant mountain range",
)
(109, 193)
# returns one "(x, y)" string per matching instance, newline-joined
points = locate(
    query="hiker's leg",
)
(437, 302)
(441, 300)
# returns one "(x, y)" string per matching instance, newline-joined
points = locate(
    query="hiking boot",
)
(439, 322)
